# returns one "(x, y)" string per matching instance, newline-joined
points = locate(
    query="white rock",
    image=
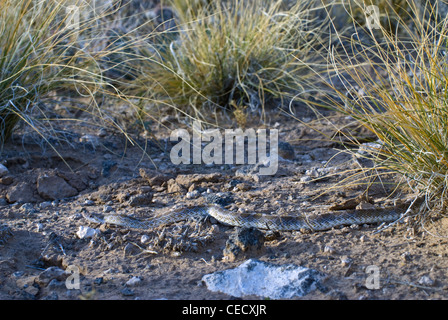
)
(305, 179)
(144, 239)
(329, 249)
(3, 171)
(134, 281)
(88, 202)
(312, 173)
(426, 281)
(86, 232)
(192, 194)
(345, 261)
(265, 280)
(44, 205)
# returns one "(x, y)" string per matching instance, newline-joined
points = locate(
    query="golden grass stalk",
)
(44, 48)
(397, 88)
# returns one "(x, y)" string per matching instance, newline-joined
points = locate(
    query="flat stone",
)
(44, 278)
(22, 192)
(52, 187)
(186, 180)
(154, 178)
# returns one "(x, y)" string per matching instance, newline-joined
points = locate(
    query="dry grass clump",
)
(228, 52)
(397, 88)
(47, 48)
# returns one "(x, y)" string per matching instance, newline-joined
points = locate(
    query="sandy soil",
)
(106, 174)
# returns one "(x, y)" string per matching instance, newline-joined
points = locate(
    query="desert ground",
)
(44, 201)
(49, 187)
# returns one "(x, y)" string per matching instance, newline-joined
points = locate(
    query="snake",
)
(320, 222)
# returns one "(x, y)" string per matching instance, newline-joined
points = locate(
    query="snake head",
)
(94, 218)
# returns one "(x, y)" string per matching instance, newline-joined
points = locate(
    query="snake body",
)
(319, 222)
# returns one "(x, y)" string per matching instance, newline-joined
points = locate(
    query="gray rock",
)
(107, 166)
(51, 273)
(3, 171)
(127, 292)
(144, 239)
(134, 281)
(192, 194)
(27, 208)
(52, 187)
(286, 150)
(426, 281)
(243, 242)
(44, 205)
(265, 280)
(6, 180)
(141, 199)
(22, 192)
(88, 202)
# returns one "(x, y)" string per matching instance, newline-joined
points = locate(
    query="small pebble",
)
(305, 179)
(86, 232)
(426, 281)
(102, 132)
(144, 239)
(3, 171)
(363, 205)
(18, 274)
(26, 207)
(406, 256)
(107, 208)
(89, 202)
(134, 281)
(328, 249)
(312, 173)
(44, 205)
(192, 194)
(345, 261)
(127, 292)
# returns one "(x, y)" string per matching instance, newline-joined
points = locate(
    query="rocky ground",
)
(44, 198)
